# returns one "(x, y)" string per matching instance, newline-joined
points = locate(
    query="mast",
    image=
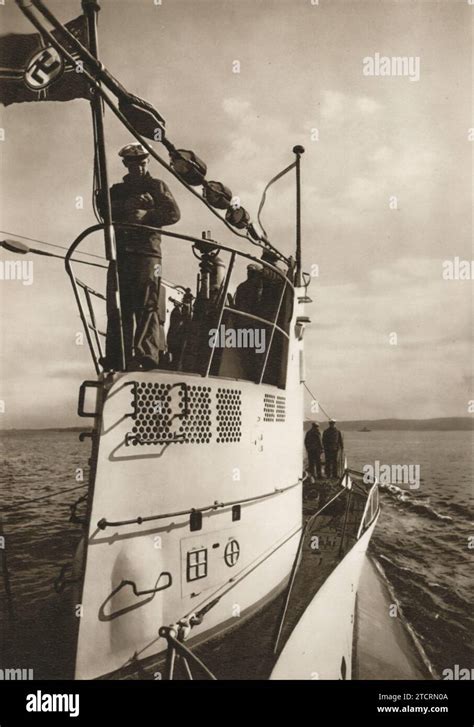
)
(91, 10)
(298, 150)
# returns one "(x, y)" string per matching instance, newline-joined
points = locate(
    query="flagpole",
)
(298, 150)
(91, 9)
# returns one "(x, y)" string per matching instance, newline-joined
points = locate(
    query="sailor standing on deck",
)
(139, 199)
(333, 444)
(314, 448)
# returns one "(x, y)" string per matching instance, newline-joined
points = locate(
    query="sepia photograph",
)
(236, 352)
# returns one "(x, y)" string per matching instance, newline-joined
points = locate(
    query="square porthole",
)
(196, 564)
(236, 512)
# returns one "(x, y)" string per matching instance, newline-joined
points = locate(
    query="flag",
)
(264, 195)
(32, 70)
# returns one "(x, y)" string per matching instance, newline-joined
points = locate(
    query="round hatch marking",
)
(231, 553)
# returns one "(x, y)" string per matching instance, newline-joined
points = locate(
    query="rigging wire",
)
(316, 400)
(95, 177)
(56, 43)
(49, 244)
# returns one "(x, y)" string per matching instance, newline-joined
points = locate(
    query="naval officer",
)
(139, 199)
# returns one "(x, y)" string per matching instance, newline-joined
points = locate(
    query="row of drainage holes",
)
(166, 421)
(143, 401)
(160, 440)
(145, 431)
(198, 424)
(206, 406)
(192, 390)
(154, 410)
(148, 388)
(144, 419)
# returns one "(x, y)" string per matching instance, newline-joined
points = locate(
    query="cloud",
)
(237, 108)
(351, 357)
(336, 105)
(332, 104)
(367, 105)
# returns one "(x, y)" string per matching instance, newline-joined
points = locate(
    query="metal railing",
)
(86, 308)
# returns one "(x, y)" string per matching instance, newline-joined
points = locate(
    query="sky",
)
(387, 187)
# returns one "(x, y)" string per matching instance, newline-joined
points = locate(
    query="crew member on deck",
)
(333, 444)
(139, 199)
(248, 296)
(314, 448)
(248, 299)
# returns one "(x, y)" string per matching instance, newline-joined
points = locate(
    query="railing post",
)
(91, 9)
(346, 515)
(298, 150)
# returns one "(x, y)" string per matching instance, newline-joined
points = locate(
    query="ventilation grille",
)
(153, 414)
(280, 409)
(157, 419)
(229, 415)
(196, 427)
(274, 408)
(269, 408)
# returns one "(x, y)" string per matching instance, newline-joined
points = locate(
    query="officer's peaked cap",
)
(133, 151)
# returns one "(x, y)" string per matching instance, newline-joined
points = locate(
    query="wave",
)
(458, 509)
(421, 507)
(393, 564)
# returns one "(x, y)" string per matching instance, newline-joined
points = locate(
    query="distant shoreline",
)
(441, 424)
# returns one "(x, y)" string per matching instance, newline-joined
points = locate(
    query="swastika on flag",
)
(43, 68)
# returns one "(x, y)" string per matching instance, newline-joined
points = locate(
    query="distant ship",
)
(364, 429)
